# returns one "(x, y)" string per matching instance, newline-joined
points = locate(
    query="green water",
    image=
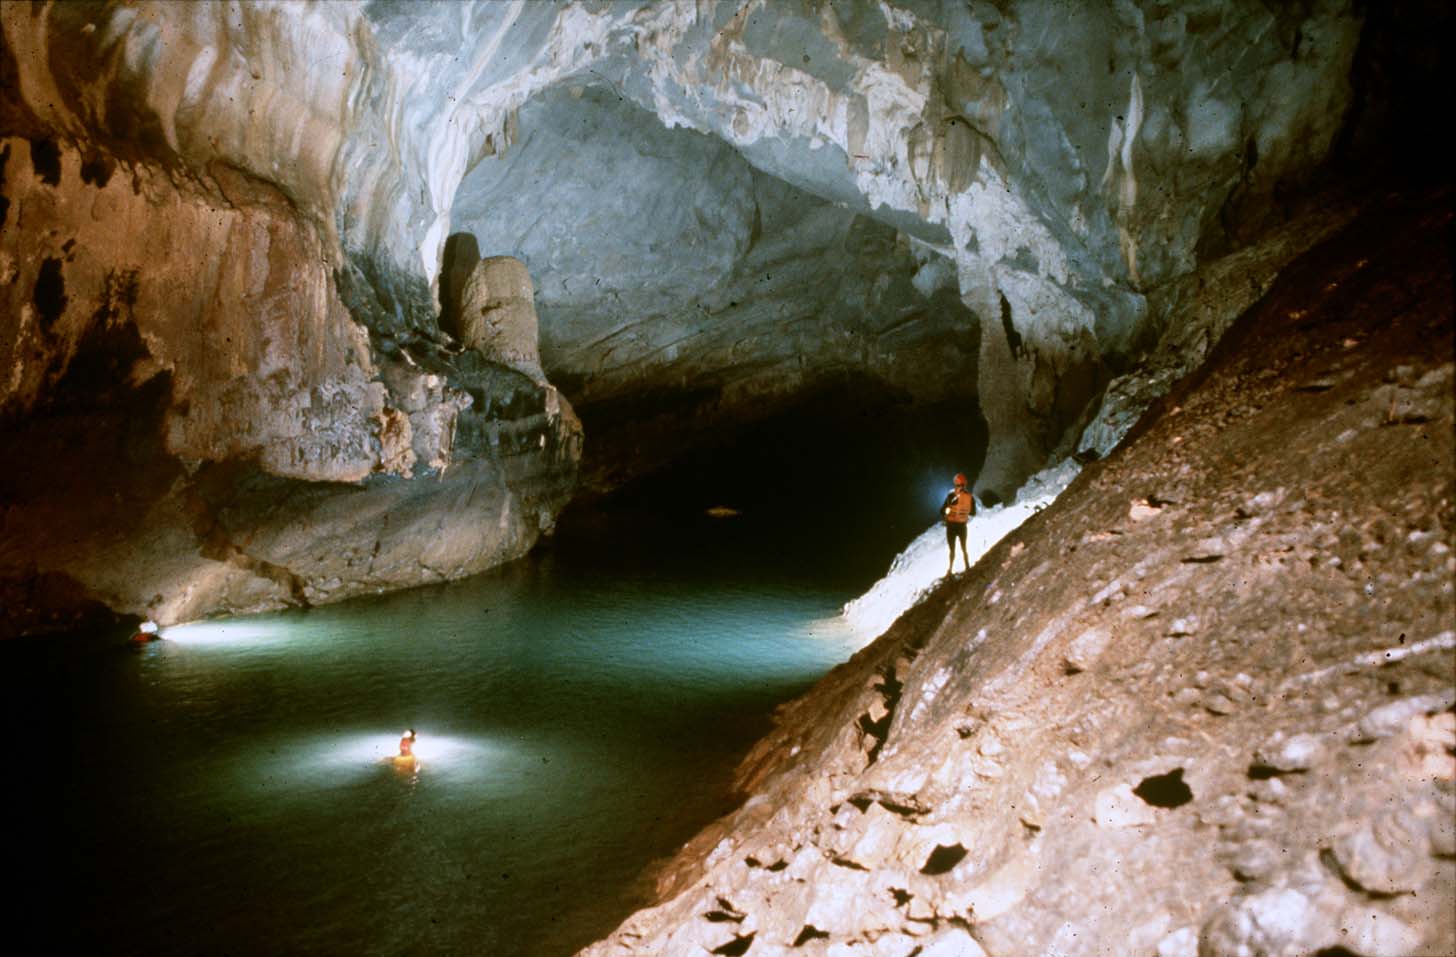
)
(224, 790)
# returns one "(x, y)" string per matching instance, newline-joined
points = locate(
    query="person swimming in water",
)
(406, 760)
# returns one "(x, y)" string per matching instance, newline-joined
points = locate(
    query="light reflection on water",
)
(229, 788)
(333, 759)
(235, 633)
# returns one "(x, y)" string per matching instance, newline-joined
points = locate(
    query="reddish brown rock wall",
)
(194, 423)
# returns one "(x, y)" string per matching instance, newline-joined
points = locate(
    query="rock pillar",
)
(498, 315)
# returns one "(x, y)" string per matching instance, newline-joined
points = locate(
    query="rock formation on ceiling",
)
(1204, 704)
(230, 232)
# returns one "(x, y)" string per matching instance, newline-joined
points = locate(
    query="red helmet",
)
(960, 479)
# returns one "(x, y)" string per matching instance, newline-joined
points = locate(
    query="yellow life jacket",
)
(962, 508)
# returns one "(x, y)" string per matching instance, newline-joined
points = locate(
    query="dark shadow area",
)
(82, 470)
(809, 932)
(45, 159)
(737, 946)
(1165, 790)
(833, 484)
(461, 256)
(943, 859)
(1400, 66)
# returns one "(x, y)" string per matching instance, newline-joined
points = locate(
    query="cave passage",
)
(225, 790)
(834, 483)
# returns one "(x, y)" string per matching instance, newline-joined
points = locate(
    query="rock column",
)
(497, 316)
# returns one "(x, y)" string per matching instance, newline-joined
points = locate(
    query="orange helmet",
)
(960, 479)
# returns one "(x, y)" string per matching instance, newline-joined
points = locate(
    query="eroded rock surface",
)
(1204, 704)
(209, 430)
(1055, 167)
(723, 207)
(1052, 165)
(498, 317)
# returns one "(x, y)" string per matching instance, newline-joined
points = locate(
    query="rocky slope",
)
(1204, 704)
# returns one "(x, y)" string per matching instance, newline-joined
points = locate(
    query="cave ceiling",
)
(676, 176)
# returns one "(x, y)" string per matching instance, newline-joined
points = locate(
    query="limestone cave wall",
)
(236, 227)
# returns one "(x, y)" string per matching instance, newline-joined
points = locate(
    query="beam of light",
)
(323, 761)
(433, 749)
(240, 632)
(834, 630)
(920, 566)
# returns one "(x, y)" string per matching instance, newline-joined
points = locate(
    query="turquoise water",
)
(224, 790)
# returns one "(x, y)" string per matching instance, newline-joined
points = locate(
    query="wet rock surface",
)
(1201, 705)
(216, 433)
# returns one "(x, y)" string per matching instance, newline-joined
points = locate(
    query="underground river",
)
(225, 790)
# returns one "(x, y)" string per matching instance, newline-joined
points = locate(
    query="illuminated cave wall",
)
(720, 204)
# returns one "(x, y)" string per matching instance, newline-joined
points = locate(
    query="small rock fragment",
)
(1183, 626)
(1270, 791)
(952, 942)
(1441, 832)
(890, 944)
(1118, 807)
(1144, 937)
(1183, 942)
(999, 892)
(1431, 750)
(1391, 719)
(1141, 510)
(1085, 649)
(1438, 379)
(1255, 859)
(1279, 920)
(1187, 697)
(1207, 550)
(1295, 753)
(1264, 501)
(1218, 702)
(1374, 933)
(1384, 856)
(920, 910)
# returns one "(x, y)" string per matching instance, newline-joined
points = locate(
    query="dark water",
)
(223, 791)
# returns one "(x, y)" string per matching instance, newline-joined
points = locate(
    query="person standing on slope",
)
(958, 508)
